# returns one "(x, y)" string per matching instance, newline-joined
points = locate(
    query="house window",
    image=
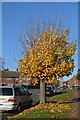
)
(10, 84)
(8, 78)
(23, 78)
(16, 78)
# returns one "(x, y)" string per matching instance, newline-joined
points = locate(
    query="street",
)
(35, 95)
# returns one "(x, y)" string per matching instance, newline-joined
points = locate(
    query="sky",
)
(40, 0)
(17, 16)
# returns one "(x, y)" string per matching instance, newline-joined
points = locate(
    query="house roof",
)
(10, 74)
(74, 77)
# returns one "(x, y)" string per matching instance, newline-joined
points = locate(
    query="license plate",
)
(2, 98)
(47, 92)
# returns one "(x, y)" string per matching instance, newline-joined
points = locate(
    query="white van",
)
(13, 98)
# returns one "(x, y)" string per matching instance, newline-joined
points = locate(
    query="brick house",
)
(73, 82)
(12, 78)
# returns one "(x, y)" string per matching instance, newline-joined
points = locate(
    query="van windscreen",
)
(6, 91)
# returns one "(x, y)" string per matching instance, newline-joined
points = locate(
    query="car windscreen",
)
(6, 91)
(48, 88)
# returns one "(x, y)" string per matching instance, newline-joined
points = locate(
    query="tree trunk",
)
(42, 92)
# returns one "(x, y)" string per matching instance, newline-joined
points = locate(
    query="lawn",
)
(56, 107)
(63, 97)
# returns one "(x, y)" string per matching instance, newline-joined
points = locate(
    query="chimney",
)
(7, 69)
(16, 69)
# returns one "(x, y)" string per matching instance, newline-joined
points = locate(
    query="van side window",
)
(27, 93)
(17, 93)
(22, 91)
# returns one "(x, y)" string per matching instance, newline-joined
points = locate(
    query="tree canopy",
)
(50, 57)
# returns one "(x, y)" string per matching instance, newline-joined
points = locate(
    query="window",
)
(6, 91)
(8, 78)
(26, 92)
(17, 92)
(23, 78)
(10, 84)
(22, 91)
(16, 78)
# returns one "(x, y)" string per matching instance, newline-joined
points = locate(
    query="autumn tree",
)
(49, 57)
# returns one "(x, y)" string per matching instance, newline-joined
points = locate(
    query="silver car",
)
(13, 98)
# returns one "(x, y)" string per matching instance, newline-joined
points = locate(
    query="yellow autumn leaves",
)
(49, 58)
(51, 107)
(53, 110)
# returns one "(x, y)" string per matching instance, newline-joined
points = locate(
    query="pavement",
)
(75, 110)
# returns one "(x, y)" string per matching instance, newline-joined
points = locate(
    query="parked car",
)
(77, 87)
(71, 87)
(61, 89)
(50, 90)
(13, 98)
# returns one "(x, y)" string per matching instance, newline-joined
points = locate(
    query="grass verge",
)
(63, 97)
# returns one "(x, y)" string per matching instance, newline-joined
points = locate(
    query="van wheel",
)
(19, 108)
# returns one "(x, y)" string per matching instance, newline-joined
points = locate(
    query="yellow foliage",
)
(50, 58)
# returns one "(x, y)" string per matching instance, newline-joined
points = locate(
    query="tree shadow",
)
(55, 93)
(66, 102)
(76, 99)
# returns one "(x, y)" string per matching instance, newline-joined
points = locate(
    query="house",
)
(12, 77)
(74, 82)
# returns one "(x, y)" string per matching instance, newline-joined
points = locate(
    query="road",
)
(35, 95)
